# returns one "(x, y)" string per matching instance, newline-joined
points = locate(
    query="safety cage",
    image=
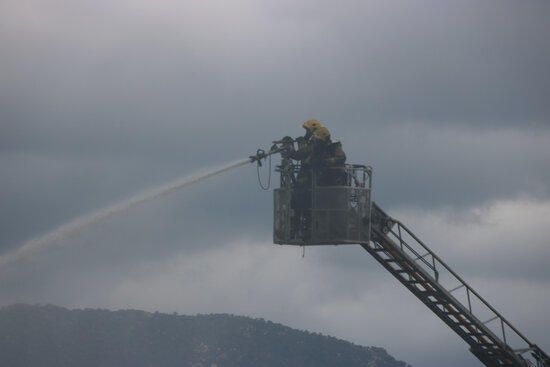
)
(322, 207)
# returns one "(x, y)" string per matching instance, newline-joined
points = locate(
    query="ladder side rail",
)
(385, 242)
(436, 264)
(405, 245)
(428, 276)
(470, 290)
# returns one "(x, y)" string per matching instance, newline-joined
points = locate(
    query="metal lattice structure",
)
(344, 214)
(492, 339)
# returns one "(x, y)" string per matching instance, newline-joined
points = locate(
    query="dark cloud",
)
(448, 103)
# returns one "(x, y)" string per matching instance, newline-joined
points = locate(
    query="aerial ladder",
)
(342, 212)
(493, 339)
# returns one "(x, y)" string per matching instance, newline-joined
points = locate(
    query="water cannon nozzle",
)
(260, 154)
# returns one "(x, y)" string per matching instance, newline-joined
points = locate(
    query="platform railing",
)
(356, 175)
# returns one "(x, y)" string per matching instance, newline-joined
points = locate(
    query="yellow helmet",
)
(322, 134)
(312, 125)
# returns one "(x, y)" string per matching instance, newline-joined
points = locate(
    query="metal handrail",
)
(433, 266)
(404, 243)
(349, 169)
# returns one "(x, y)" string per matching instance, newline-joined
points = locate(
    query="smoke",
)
(74, 226)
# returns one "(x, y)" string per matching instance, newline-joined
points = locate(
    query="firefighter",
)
(301, 198)
(303, 152)
(327, 159)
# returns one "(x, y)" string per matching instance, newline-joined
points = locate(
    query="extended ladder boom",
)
(492, 339)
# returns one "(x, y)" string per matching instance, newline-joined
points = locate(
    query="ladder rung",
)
(430, 293)
(457, 318)
(453, 313)
(463, 321)
(379, 249)
(476, 334)
(414, 282)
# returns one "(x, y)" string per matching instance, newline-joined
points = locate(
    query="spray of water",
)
(72, 227)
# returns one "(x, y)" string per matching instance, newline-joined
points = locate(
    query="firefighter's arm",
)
(303, 150)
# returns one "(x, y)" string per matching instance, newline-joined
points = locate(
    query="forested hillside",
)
(50, 336)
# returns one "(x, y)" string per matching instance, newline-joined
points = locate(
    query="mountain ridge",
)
(47, 335)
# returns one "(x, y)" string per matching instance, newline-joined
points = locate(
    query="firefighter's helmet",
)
(322, 134)
(312, 125)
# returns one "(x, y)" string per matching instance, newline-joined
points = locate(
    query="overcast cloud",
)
(449, 102)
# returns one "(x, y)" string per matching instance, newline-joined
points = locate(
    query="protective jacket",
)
(303, 154)
(326, 161)
(303, 151)
(328, 155)
(335, 155)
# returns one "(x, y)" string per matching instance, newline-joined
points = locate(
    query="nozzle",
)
(260, 154)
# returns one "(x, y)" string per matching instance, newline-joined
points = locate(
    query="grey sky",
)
(447, 101)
